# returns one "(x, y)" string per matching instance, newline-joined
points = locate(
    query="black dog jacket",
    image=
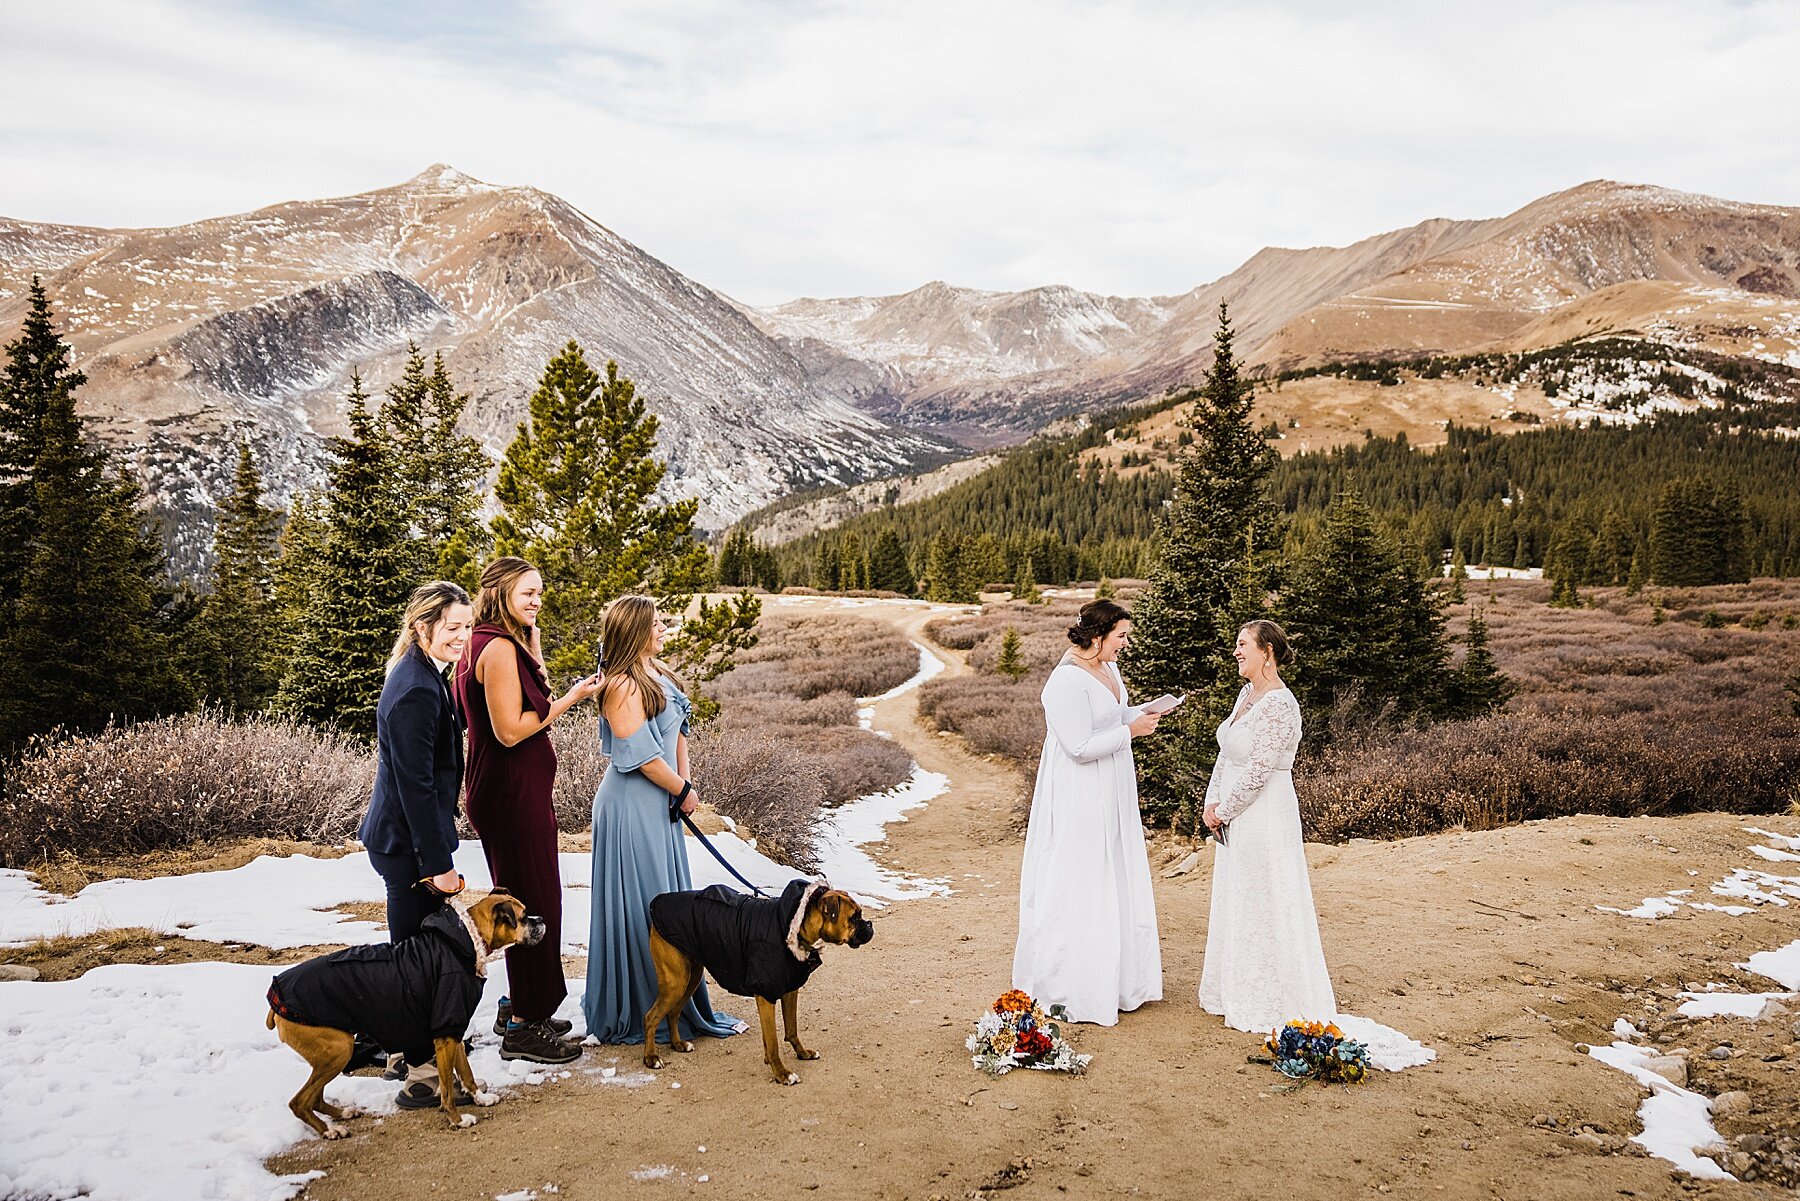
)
(751, 945)
(402, 995)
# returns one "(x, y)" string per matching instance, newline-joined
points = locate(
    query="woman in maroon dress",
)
(505, 697)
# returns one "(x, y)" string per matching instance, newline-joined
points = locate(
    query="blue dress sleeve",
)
(684, 706)
(629, 754)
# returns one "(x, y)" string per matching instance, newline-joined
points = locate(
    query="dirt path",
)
(1486, 946)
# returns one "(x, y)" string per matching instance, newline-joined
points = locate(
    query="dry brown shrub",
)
(770, 787)
(178, 781)
(808, 656)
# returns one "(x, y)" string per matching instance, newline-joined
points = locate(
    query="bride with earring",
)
(1264, 963)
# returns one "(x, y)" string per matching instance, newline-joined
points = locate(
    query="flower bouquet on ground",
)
(1015, 1033)
(1317, 1051)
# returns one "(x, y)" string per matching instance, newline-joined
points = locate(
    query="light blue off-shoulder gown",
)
(638, 854)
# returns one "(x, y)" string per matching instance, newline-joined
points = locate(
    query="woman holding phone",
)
(505, 696)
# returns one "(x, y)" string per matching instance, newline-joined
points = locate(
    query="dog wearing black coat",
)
(420, 989)
(753, 946)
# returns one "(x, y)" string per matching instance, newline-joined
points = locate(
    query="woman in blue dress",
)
(639, 851)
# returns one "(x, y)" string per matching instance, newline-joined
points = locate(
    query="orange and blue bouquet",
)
(1016, 1033)
(1317, 1051)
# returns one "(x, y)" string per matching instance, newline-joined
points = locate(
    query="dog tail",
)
(269, 1024)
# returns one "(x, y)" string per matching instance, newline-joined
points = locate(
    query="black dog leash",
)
(675, 812)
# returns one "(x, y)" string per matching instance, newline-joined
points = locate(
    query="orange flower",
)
(1014, 1001)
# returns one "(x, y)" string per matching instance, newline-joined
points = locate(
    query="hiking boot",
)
(538, 1043)
(558, 1026)
(396, 1068)
(422, 1094)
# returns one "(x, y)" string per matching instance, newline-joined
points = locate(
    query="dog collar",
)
(800, 950)
(482, 955)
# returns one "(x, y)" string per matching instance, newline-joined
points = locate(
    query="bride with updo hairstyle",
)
(1087, 916)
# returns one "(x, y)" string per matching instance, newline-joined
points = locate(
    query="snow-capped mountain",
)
(959, 361)
(195, 335)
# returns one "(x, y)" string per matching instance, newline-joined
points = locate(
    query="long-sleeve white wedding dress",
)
(1087, 916)
(1264, 964)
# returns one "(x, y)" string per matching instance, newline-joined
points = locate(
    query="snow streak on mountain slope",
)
(251, 325)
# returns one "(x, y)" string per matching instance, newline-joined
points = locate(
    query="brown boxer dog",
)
(501, 921)
(824, 914)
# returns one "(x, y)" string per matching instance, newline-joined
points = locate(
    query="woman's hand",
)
(1212, 819)
(692, 803)
(1144, 725)
(537, 645)
(448, 883)
(584, 689)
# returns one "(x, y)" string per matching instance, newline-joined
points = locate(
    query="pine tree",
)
(734, 568)
(1636, 577)
(1363, 622)
(237, 664)
(853, 569)
(299, 570)
(440, 475)
(1214, 535)
(1680, 553)
(1459, 572)
(37, 375)
(1104, 590)
(577, 494)
(1480, 686)
(1026, 589)
(982, 561)
(83, 641)
(888, 568)
(361, 579)
(825, 567)
(1010, 662)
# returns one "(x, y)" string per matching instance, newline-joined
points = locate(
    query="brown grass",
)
(65, 958)
(68, 874)
(181, 781)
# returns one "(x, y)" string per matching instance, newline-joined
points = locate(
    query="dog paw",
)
(790, 1078)
(336, 1131)
(653, 1062)
(803, 1053)
(683, 1047)
(466, 1120)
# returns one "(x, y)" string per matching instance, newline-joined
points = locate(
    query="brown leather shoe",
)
(539, 1044)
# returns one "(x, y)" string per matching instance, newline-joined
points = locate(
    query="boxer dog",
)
(753, 946)
(318, 1006)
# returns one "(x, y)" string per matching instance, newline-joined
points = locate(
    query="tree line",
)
(302, 605)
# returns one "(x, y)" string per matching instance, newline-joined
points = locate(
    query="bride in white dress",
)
(1087, 918)
(1264, 965)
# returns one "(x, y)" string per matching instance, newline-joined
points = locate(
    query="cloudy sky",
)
(773, 149)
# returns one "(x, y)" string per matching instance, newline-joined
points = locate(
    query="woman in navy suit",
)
(410, 831)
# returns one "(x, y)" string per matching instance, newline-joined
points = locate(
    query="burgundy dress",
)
(509, 798)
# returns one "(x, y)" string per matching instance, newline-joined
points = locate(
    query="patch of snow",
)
(1677, 1122)
(1652, 908)
(1727, 1004)
(1781, 965)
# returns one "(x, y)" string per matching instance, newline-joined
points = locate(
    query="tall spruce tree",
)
(1480, 686)
(1363, 623)
(37, 375)
(85, 638)
(888, 568)
(237, 662)
(440, 474)
(577, 494)
(365, 569)
(1213, 572)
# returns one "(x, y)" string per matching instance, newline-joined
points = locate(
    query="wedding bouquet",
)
(1015, 1033)
(1317, 1051)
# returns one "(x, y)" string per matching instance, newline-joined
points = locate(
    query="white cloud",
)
(825, 148)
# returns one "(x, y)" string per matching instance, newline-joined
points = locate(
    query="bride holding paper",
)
(1087, 917)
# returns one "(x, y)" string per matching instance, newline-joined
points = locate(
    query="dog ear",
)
(497, 891)
(832, 907)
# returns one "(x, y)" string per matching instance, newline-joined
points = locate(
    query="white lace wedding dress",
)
(1087, 916)
(1264, 965)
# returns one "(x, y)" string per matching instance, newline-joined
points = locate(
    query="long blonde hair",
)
(625, 635)
(493, 606)
(428, 604)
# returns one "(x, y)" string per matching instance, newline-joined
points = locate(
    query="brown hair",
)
(1270, 637)
(492, 608)
(625, 643)
(428, 604)
(1096, 620)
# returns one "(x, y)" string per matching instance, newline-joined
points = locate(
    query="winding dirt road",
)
(1486, 946)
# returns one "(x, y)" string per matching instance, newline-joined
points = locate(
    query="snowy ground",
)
(136, 1082)
(1677, 1121)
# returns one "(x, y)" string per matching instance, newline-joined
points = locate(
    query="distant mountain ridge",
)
(1440, 286)
(196, 335)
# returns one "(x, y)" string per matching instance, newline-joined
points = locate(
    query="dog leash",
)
(714, 851)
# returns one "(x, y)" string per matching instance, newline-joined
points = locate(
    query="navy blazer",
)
(418, 767)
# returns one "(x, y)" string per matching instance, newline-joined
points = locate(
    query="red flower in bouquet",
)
(1032, 1043)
